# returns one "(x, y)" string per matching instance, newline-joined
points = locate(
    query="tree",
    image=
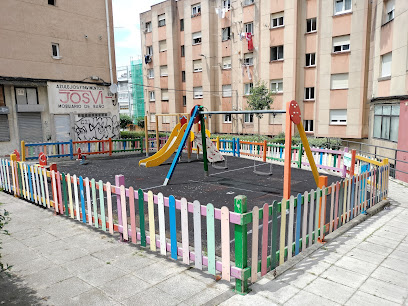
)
(260, 99)
(125, 120)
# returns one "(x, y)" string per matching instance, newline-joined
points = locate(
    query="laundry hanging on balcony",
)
(248, 37)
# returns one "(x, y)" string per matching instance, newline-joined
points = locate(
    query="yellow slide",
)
(167, 150)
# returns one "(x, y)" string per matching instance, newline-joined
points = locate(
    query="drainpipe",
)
(109, 41)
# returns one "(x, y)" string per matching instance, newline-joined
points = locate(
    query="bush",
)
(4, 219)
(132, 135)
(125, 120)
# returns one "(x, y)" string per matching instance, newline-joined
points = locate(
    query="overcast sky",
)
(127, 28)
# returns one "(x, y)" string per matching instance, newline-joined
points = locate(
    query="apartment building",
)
(125, 95)
(57, 65)
(388, 83)
(213, 52)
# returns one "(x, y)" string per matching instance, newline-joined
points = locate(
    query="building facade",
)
(125, 94)
(343, 61)
(57, 62)
(303, 50)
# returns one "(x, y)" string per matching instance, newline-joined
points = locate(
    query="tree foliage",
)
(4, 219)
(125, 120)
(260, 98)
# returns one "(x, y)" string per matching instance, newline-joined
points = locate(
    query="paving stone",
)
(395, 264)
(275, 290)
(344, 277)
(204, 296)
(305, 298)
(374, 248)
(83, 264)
(45, 278)
(249, 299)
(361, 298)
(62, 256)
(157, 272)
(366, 256)
(64, 290)
(114, 252)
(391, 276)
(389, 243)
(313, 266)
(297, 278)
(32, 266)
(384, 290)
(333, 291)
(132, 262)
(102, 274)
(181, 287)
(123, 287)
(356, 265)
(93, 297)
(152, 297)
(402, 256)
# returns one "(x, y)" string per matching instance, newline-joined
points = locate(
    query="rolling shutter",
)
(30, 127)
(4, 128)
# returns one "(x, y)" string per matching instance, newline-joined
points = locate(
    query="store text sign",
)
(77, 96)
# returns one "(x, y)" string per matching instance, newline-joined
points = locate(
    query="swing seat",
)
(218, 166)
(263, 173)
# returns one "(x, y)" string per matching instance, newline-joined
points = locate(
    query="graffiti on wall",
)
(96, 128)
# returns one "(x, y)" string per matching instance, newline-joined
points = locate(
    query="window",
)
(149, 50)
(197, 66)
(248, 2)
(150, 73)
(226, 91)
(249, 118)
(165, 95)
(247, 88)
(226, 4)
(183, 76)
(386, 121)
(342, 6)
(277, 20)
(55, 51)
(389, 10)
(276, 53)
(308, 125)
(148, 26)
(338, 116)
(277, 86)
(152, 96)
(165, 119)
(309, 93)
(162, 45)
(339, 81)
(4, 128)
(386, 60)
(184, 101)
(196, 10)
(341, 43)
(51, 2)
(162, 20)
(196, 38)
(153, 118)
(227, 118)
(310, 59)
(26, 95)
(249, 27)
(226, 62)
(311, 25)
(163, 71)
(198, 92)
(182, 51)
(181, 24)
(249, 59)
(226, 33)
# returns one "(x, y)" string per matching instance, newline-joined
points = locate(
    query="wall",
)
(403, 142)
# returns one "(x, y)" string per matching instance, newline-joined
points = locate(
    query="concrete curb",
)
(309, 251)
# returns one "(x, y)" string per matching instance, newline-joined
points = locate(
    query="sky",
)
(126, 24)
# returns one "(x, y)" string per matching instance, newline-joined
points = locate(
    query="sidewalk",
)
(368, 265)
(59, 261)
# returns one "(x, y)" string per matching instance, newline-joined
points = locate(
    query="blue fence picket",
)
(173, 230)
(81, 192)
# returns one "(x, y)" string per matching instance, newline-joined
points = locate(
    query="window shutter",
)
(341, 40)
(386, 60)
(165, 94)
(226, 91)
(162, 45)
(197, 65)
(226, 62)
(339, 81)
(196, 35)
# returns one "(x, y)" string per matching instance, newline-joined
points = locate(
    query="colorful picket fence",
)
(279, 230)
(51, 149)
(127, 145)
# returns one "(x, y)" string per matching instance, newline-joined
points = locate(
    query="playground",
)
(204, 208)
(188, 181)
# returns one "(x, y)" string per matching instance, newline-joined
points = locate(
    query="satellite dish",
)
(113, 88)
